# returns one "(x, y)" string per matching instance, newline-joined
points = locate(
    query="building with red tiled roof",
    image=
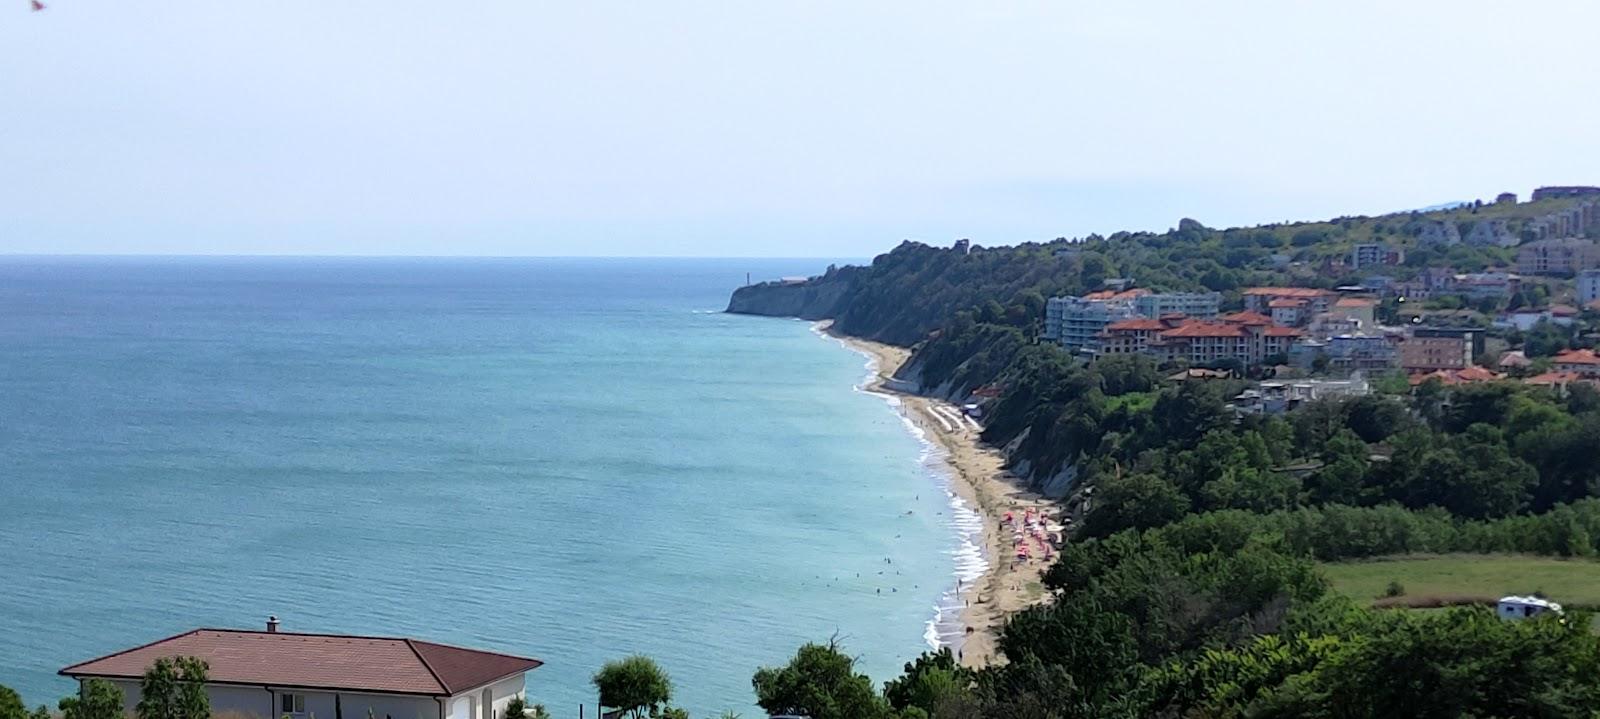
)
(1466, 375)
(1582, 362)
(1247, 318)
(1259, 299)
(271, 674)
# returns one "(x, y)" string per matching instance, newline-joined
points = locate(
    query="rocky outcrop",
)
(818, 298)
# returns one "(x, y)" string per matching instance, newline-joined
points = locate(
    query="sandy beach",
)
(979, 477)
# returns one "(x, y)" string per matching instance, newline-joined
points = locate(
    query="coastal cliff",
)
(816, 298)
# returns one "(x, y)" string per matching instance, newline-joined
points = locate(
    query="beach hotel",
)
(272, 674)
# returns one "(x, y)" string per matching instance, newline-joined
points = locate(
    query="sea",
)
(571, 459)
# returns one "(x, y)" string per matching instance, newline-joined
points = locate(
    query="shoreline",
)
(979, 478)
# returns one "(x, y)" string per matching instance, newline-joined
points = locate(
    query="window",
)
(293, 704)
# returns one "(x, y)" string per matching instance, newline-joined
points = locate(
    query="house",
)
(1580, 362)
(1514, 608)
(1479, 285)
(1466, 375)
(1259, 299)
(271, 674)
(1363, 310)
(1543, 193)
(1506, 198)
(1375, 253)
(1514, 359)
(1193, 304)
(1558, 257)
(1588, 287)
(1362, 352)
(1290, 312)
(1075, 322)
(1279, 397)
(1206, 342)
(1423, 354)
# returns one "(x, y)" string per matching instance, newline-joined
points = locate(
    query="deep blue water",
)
(572, 459)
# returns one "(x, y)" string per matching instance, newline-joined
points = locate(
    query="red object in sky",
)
(37, 6)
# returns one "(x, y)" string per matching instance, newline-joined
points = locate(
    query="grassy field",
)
(1462, 578)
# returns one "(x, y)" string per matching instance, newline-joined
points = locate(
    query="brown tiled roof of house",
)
(1584, 356)
(1554, 378)
(1283, 302)
(1205, 329)
(1247, 318)
(1115, 295)
(384, 665)
(1354, 302)
(1135, 324)
(1465, 375)
(1306, 292)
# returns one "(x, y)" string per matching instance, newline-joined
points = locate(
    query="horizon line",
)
(289, 255)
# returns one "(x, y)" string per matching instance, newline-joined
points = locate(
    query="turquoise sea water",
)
(572, 459)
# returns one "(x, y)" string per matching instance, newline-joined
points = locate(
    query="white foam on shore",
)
(944, 628)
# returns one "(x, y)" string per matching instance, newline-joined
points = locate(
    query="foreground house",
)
(272, 674)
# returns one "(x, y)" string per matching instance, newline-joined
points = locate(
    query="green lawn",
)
(1462, 577)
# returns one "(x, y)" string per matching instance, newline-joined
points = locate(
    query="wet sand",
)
(980, 478)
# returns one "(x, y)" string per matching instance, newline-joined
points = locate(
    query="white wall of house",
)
(258, 702)
(471, 704)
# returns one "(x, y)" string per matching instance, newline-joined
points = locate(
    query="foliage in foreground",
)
(636, 685)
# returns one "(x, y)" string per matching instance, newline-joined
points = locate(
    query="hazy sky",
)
(814, 128)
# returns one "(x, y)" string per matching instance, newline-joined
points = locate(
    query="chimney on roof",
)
(272, 623)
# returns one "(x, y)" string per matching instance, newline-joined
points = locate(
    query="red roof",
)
(1577, 357)
(1136, 324)
(1466, 375)
(1287, 302)
(1554, 378)
(383, 665)
(1355, 302)
(1205, 329)
(1115, 295)
(1287, 292)
(1247, 318)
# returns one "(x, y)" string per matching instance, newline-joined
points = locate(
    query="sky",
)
(801, 129)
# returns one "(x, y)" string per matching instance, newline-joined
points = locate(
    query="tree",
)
(11, 706)
(515, 709)
(174, 688)
(820, 682)
(636, 685)
(1137, 501)
(932, 681)
(98, 699)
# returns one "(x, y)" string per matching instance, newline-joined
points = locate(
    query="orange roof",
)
(1286, 302)
(1247, 318)
(318, 661)
(1355, 302)
(1136, 324)
(1468, 375)
(1476, 374)
(1205, 329)
(1115, 295)
(1306, 292)
(1563, 310)
(1577, 357)
(1554, 378)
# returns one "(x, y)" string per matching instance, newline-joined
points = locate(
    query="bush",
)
(1395, 589)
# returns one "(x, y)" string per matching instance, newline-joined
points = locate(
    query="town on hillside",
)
(1534, 318)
